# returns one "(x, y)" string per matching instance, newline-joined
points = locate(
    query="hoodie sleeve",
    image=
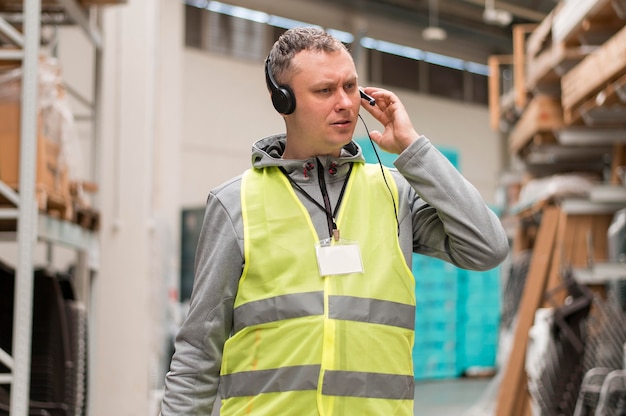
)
(191, 385)
(450, 219)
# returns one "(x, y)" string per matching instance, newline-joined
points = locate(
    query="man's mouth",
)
(342, 123)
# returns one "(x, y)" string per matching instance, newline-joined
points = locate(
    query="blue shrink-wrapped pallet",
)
(457, 318)
(479, 318)
(436, 290)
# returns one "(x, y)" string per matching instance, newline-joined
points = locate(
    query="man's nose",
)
(344, 99)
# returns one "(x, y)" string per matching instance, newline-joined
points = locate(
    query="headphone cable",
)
(395, 208)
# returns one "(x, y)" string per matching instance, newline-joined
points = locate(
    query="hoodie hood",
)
(269, 151)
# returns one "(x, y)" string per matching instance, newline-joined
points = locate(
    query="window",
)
(479, 88)
(193, 27)
(398, 71)
(248, 34)
(224, 34)
(191, 223)
(445, 82)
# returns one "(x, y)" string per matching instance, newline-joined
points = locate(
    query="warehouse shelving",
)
(568, 116)
(29, 223)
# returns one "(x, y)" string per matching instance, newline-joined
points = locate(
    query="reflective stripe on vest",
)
(252, 383)
(348, 308)
(305, 344)
(336, 383)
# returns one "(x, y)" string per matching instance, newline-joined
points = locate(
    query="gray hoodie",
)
(440, 214)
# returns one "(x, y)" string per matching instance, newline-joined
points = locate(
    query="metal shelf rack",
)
(33, 225)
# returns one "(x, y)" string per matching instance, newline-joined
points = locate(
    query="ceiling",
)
(462, 20)
(469, 35)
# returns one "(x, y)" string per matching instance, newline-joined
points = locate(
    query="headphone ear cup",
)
(283, 99)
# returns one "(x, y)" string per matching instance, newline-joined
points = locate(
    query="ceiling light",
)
(493, 16)
(433, 31)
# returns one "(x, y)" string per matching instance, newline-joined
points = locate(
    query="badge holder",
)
(338, 256)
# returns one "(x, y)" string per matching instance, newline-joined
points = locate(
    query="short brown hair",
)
(296, 40)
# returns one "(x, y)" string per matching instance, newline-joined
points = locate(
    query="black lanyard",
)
(327, 208)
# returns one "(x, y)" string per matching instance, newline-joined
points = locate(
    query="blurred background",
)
(129, 112)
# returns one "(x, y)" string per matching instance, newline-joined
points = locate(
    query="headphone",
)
(283, 98)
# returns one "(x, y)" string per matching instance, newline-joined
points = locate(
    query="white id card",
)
(341, 258)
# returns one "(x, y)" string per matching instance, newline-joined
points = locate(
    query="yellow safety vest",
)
(304, 344)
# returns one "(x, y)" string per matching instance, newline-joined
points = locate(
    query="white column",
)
(139, 171)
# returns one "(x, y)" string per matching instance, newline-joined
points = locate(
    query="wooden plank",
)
(524, 238)
(569, 19)
(565, 235)
(495, 63)
(581, 241)
(494, 92)
(595, 71)
(514, 378)
(548, 58)
(598, 29)
(563, 240)
(523, 402)
(618, 164)
(520, 33)
(526, 409)
(605, 108)
(545, 60)
(540, 38)
(599, 242)
(542, 115)
(546, 69)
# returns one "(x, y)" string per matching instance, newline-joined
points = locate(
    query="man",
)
(303, 299)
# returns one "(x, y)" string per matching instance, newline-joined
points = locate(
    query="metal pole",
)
(27, 225)
(96, 151)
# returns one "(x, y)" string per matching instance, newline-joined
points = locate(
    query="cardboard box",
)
(52, 187)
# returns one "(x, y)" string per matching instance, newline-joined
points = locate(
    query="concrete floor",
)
(455, 397)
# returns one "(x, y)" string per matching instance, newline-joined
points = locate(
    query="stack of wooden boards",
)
(568, 71)
(566, 98)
